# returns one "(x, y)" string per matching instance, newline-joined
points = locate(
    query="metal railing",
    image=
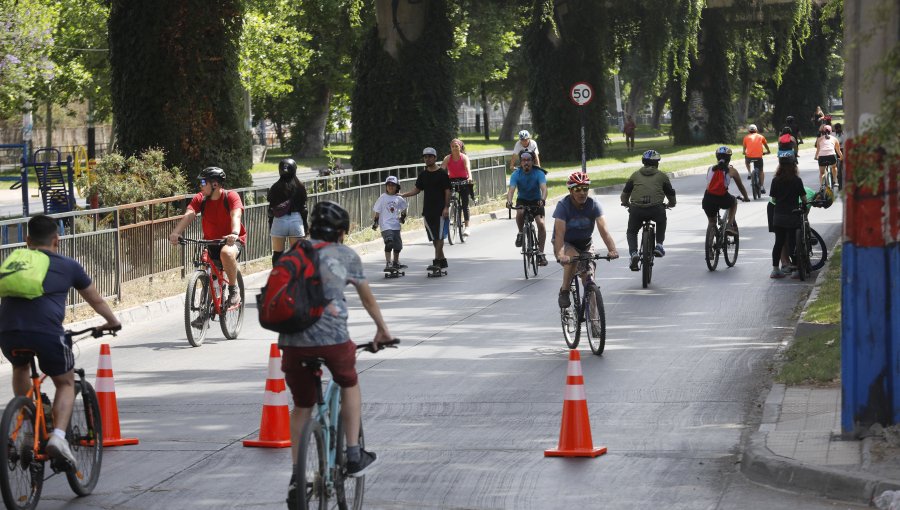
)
(128, 242)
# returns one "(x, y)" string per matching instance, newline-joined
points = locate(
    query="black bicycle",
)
(457, 223)
(810, 253)
(530, 250)
(719, 239)
(755, 185)
(586, 308)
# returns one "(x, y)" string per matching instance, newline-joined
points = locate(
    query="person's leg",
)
(351, 413)
(634, 223)
(541, 231)
(568, 269)
(520, 219)
(277, 248)
(821, 175)
(747, 164)
(464, 198)
(778, 247)
(64, 399)
(229, 255)
(21, 380)
(659, 216)
(762, 176)
(834, 175)
(439, 249)
(299, 417)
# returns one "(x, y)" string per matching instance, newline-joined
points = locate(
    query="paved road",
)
(461, 413)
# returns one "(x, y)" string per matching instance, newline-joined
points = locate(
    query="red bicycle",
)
(204, 300)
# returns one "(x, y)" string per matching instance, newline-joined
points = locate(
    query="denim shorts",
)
(289, 225)
(392, 240)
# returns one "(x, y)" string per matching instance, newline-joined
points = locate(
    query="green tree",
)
(26, 43)
(175, 83)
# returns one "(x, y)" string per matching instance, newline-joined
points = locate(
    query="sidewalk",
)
(799, 446)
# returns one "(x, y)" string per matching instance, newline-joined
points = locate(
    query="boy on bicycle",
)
(36, 325)
(532, 188)
(643, 196)
(329, 339)
(574, 220)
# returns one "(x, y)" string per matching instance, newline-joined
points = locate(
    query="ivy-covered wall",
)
(175, 83)
(403, 105)
(564, 48)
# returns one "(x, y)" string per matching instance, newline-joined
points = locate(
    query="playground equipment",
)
(85, 164)
(55, 180)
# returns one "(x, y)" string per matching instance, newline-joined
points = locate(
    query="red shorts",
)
(340, 360)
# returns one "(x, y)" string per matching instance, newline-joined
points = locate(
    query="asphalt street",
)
(461, 413)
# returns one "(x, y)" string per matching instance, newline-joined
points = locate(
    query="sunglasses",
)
(203, 182)
(582, 189)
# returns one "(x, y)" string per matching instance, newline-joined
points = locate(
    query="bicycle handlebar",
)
(96, 332)
(588, 256)
(185, 240)
(373, 347)
(523, 207)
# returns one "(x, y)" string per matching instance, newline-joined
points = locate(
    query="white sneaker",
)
(58, 448)
(466, 231)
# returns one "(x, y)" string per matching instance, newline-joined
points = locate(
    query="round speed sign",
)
(581, 94)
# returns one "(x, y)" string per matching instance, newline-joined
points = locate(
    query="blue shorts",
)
(289, 225)
(54, 352)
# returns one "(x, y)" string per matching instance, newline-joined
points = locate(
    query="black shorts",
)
(54, 352)
(828, 160)
(535, 203)
(712, 204)
(581, 245)
(435, 224)
(215, 251)
(758, 162)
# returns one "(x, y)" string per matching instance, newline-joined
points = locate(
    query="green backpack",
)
(22, 274)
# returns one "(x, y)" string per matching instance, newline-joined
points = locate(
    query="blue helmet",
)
(650, 158)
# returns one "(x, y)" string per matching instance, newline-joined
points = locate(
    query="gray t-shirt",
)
(339, 265)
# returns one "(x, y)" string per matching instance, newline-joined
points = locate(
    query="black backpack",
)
(293, 298)
(227, 203)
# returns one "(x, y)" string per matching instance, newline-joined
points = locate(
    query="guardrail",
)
(128, 242)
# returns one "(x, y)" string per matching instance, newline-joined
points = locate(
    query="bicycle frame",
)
(217, 277)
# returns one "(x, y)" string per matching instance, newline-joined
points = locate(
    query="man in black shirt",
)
(435, 207)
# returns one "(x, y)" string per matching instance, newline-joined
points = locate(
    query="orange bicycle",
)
(205, 300)
(26, 427)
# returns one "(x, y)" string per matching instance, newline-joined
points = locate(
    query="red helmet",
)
(578, 179)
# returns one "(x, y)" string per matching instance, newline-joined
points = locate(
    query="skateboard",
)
(394, 273)
(436, 272)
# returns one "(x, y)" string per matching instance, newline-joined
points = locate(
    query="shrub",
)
(118, 180)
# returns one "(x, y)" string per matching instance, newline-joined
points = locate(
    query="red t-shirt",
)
(216, 219)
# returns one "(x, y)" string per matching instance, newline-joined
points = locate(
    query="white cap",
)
(392, 180)
(429, 151)
(752, 128)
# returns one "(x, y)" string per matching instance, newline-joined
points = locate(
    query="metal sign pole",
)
(583, 152)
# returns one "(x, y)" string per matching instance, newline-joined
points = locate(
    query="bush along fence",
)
(128, 242)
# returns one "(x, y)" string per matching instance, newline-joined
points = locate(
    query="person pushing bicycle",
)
(221, 219)
(532, 191)
(36, 325)
(644, 196)
(574, 220)
(328, 338)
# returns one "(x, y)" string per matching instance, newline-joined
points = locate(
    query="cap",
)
(752, 128)
(429, 151)
(392, 180)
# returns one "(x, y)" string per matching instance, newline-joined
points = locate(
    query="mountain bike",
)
(810, 253)
(530, 250)
(645, 252)
(27, 426)
(586, 308)
(754, 178)
(321, 469)
(720, 240)
(204, 301)
(457, 223)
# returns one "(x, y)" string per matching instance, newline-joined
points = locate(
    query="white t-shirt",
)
(532, 147)
(826, 145)
(389, 208)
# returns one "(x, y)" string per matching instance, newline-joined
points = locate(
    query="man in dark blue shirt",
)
(36, 325)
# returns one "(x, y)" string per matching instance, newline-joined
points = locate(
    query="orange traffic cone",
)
(106, 395)
(575, 432)
(275, 426)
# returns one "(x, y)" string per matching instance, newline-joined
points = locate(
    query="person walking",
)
(436, 205)
(287, 209)
(628, 129)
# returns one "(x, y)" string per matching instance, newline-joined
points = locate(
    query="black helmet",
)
(786, 130)
(723, 154)
(287, 167)
(327, 220)
(650, 158)
(212, 173)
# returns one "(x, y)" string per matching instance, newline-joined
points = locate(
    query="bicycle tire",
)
(349, 491)
(85, 437)
(21, 477)
(526, 249)
(647, 241)
(818, 252)
(595, 316)
(450, 216)
(533, 258)
(310, 469)
(712, 251)
(802, 255)
(754, 183)
(196, 304)
(232, 320)
(460, 224)
(569, 317)
(730, 245)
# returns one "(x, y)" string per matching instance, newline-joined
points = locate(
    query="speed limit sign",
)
(581, 94)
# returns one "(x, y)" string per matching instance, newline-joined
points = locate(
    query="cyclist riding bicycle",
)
(532, 191)
(716, 196)
(221, 212)
(36, 325)
(328, 338)
(828, 152)
(574, 220)
(787, 143)
(644, 195)
(754, 143)
(525, 143)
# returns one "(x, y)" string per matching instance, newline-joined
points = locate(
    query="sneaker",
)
(360, 467)
(234, 300)
(198, 322)
(762, 191)
(731, 229)
(442, 263)
(563, 300)
(519, 240)
(58, 448)
(389, 267)
(292, 496)
(398, 265)
(659, 251)
(465, 231)
(787, 269)
(542, 259)
(777, 273)
(635, 258)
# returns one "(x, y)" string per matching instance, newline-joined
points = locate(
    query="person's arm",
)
(766, 145)
(410, 193)
(607, 237)
(92, 297)
(837, 148)
(669, 192)
(559, 244)
(744, 147)
(736, 177)
(816, 145)
(371, 305)
(543, 193)
(537, 159)
(467, 166)
(513, 160)
(625, 197)
(444, 162)
(186, 220)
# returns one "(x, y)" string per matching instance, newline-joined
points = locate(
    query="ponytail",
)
(722, 164)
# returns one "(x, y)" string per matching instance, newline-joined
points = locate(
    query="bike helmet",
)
(650, 158)
(723, 154)
(327, 220)
(212, 173)
(578, 179)
(786, 157)
(523, 134)
(789, 119)
(824, 198)
(287, 167)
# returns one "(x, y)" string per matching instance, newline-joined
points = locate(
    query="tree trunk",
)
(514, 113)
(635, 100)
(317, 120)
(659, 102)
(486, 107)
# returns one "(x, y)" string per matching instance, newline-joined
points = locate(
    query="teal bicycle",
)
(321, 469)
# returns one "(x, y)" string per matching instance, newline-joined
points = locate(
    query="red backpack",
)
(717, 184)
(293, 298)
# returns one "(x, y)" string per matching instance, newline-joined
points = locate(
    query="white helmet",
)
(523, 134)
(752, 128)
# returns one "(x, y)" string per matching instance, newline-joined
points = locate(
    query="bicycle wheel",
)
(21, 477)
(818, 253)
(754, 183)
(197, 306)
(647, 241)
(533, 258)
(349, 491)
(526, 249)
(712, 251)
(802, 255)
(232, 320)
(85, 437)
(595, 316)
(730, 246)
(451, 217)
(310, 469)
(460, 224)
(569, 317)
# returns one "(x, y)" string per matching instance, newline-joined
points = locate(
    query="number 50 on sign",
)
(581, 93)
